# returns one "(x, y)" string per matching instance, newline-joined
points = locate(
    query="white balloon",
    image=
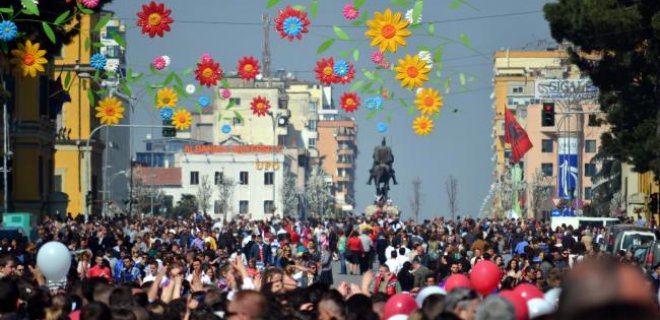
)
(424, 293)
(539, 307)
(552, 296)
(54, 260)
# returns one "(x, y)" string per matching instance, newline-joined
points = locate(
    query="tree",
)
(317, 195)
(539, 190)
(204, 194)
(289, 195)
(225, 190)
(606, 183)
(617, 45)
(451, 186)
(186, 206)
(416, 199)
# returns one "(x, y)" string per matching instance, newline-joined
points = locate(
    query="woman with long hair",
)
(354, 245)
(513, 269)
(326, 266)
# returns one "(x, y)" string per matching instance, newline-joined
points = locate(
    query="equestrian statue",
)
(382, 171)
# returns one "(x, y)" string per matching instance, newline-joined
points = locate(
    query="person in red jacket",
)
(354, 246)
(100, 269)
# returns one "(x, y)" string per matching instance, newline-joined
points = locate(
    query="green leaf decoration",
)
(372, 113)
(417, 11)
(126, 89)
(455, 4)
(368, 74)
(402, 3)
(169, 79)
(238, 115)
(187, 71)
(83, 9)
(118, 38)
(403, 103)
(48, 31)
(97, 45)
(102, 22)
(325, 45)
(272, 3)
(178, 80)
(67, 80)
(437, 55)
(431, 29)
(87, 44)
(447, 85)
(356, 54)
(90, 97)
(8, 10)
(436, 116)
(299, 7)
(180, 92)
(344, 54)
(61, 18)
(357, 85)
(465, 40)
(358, 4)
(411, 110)
(362, 19)
(225, 83)
(388, 118)
(366, 87)
(314, 8)
(341, 34)
(230, 104)
(30, 7)
(149, 88)
(461, 79)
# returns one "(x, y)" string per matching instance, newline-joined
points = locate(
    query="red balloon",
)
(399, 303)
(457, 281)
(485, 277)
(528, 292)
(522, 312)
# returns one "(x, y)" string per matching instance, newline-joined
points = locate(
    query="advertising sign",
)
(558, 89)
(568, 167)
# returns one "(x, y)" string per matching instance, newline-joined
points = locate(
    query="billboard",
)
(567, 164)
(558, 89)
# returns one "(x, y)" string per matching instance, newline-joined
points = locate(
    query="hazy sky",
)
(461, 143)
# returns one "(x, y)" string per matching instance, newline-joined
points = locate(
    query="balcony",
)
(345, 151)
(344, 165)
(344, 178)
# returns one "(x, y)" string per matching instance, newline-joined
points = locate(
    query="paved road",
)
(338, 278)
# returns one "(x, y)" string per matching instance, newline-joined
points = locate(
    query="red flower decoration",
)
(154, 19)
(291, 23)
(208, 72)
(349, 76)
(325, 72)
(260, 106)
(350, 101)
(248, 68)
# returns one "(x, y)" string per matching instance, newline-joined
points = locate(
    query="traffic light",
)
(548, 115)
(88, 198)
(168, 132)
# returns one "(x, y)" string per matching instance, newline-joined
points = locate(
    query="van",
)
(582, 222)
(648, 255)
(622, 237)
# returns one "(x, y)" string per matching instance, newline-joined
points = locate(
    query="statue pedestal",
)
(385, 211)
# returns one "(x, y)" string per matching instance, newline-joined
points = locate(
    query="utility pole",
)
(265, 55)
(5, 150)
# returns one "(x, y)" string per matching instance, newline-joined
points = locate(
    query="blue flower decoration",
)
(381, 127)
(226, 129)
(292, 26)
(8, 31)
(374, 103)
(341, 68)
(166, 113)
(98, 61)
(204, 101)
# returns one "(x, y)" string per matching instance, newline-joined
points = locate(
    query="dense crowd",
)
(159, 268)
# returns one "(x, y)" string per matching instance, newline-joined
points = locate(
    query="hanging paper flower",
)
(226, 94)
(166, 97)
(350, 101)
(111, 66)
(412, 72)
(325, 71)
(182, 119)
(205, 57)
(374, 103)
(190, 89)
(159, 63)
(154, 19)
(341, 68)
(110, 111)
(291, 23)
(29, 58)
(204, 101)
(167, 60)
(260, 106)
(387, 31)
(350, 13)
(426, 57)
(348, 74)
(422, 125)
(409, 17)
(226, 129)
(428, 101)
(98, 61)
(381, 127)
(377, 57)
(90, 3)
(8, 31)
(248, 68)
(208, 72)
(166, 113)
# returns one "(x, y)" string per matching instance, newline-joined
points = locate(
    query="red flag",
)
(516, 136)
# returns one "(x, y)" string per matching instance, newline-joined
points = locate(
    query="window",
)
(243, 177)
(517, 90)
(194, 177)
(547, 169)
(57, 183)
(590, 146)
(589, 169)
(269, 207)
(237, 121)
(546, 145)
(593, 121)
(312, 142)
(243, 206)
(218, 178)
(269, 177)
(587, 193)
(217, 207)
(235, 101)
(311, 124)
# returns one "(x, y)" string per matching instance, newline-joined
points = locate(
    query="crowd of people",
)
(164, 268)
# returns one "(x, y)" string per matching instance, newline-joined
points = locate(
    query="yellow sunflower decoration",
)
(429, 101)
(182, 119)
(412, 72)
(422, 125)
(387, 31)
(110, 111)
(29, 58)
(166, 97)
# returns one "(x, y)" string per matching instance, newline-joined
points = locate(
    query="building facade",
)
(338, 151)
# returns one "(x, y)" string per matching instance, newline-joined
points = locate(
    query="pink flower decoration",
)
(350, 13)
(377, 57)
(226, 94)
(159, 63)
(90, 3)
(206, 57)
(386, 64)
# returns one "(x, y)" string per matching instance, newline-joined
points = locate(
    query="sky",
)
(461, 143)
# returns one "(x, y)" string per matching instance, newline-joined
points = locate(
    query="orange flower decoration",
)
(154, 19)
(208, 72)
(325, 71)
(350, 101)
(260, 106)
(248, 68)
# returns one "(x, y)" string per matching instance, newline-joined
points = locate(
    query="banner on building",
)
(559, 89)
(567, 167)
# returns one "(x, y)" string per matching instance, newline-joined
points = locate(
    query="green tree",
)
(186, 206)
(289, 195)
(617, 45)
